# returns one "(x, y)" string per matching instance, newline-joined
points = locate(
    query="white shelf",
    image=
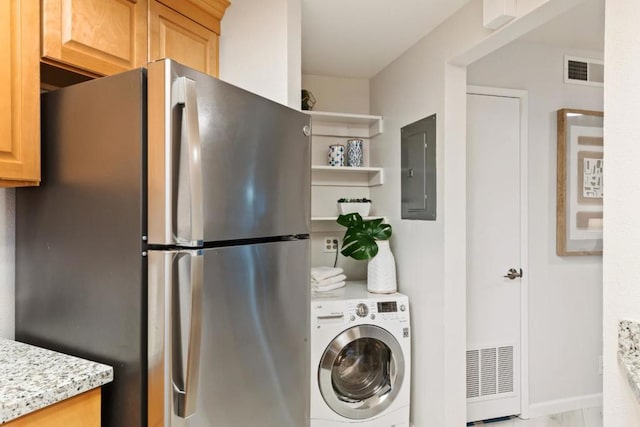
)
(345, 125)
(325, 126)
(328, 223)
(334, 218)
(346, 176)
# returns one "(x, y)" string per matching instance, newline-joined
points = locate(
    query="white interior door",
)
(494, 245)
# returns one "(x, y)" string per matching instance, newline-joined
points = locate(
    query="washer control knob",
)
(403, 308)
(362, 310)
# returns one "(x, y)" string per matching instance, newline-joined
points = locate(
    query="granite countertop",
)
(32, 378)
(629, 352)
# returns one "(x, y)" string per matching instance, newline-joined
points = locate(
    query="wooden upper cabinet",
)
(102, 37)
(19, 93)
(186, 31)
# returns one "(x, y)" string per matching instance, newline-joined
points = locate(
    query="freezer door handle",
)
(186, 321)
(189, 209)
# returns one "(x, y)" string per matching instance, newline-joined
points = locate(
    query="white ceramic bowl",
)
(362, 208)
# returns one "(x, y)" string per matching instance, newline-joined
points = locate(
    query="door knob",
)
(513, 273)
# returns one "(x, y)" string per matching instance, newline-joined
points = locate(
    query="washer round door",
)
(361, 372)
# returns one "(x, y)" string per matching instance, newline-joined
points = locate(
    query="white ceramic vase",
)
(381, 271)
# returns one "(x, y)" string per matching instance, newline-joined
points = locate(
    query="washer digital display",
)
(387, 307)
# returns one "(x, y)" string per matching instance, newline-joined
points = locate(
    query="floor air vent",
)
(583, 71)
(489, 371)
(473, 373)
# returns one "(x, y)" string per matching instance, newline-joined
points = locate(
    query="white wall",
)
(7, 263)
(260, 48)
(410, 88)
(431, 255)
(565, 293)
(338, 94)
(622, 201)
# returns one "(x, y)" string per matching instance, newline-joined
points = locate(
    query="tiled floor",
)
(591, 417)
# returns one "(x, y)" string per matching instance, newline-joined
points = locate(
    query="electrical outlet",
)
(330, 244)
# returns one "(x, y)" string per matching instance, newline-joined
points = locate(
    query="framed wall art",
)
(579, 182)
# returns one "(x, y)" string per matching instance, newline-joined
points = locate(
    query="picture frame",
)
(579, 182)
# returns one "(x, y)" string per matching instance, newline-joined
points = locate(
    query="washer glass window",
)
(361, 372)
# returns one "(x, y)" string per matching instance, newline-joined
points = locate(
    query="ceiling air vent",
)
(583, 71)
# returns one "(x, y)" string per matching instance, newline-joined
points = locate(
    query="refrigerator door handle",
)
(189, 209)
(185, 376)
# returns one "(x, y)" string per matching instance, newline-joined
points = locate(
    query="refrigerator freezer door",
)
(254, 153)
(254, 337)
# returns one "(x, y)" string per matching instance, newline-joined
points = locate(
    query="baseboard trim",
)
(564, 405)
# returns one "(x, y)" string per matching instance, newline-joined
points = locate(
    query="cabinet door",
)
(19, 93)
(99, 36)
(82, 410)
(173, 35)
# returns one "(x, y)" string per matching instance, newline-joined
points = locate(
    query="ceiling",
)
(358, 38)
(580, 28)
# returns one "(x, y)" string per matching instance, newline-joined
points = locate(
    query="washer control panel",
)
(362, 310)
(353, 305)
(381, 309)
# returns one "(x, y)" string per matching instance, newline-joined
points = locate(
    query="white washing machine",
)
(360, 358)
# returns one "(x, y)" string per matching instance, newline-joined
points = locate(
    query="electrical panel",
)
(418, 147)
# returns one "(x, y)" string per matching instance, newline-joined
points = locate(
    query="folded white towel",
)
(319, 273)
(327, 288)
(329, 280)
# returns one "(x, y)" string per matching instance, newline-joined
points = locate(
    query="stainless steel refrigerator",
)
(169, 239)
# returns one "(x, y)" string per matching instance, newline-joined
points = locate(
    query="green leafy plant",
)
(359, 240)
(363, 200)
